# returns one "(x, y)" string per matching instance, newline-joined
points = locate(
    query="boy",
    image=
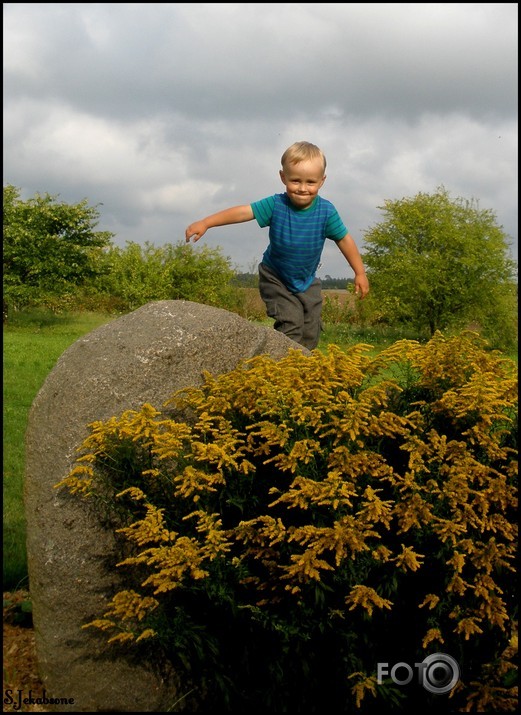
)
(300, 220)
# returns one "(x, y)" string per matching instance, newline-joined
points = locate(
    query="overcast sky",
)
(167, 112)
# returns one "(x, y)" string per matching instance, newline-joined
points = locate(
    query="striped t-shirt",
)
(297, 237)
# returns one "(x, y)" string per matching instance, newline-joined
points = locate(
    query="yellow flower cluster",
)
(127, 608)
(354, 458)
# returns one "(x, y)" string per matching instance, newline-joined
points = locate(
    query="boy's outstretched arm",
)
(350, 252)
(236, 214)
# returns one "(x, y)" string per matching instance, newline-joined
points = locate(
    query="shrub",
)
(307, 519)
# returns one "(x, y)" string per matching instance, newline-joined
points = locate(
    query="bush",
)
(139, 274)
(310, 518)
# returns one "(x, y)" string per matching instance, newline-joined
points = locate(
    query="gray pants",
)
(297, 315)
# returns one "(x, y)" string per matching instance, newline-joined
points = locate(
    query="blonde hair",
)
(301, 151)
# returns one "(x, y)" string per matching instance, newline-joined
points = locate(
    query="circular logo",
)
(440, 673)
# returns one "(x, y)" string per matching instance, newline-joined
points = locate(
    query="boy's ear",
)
(282, 177)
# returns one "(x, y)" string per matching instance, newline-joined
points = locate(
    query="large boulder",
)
(141, 357)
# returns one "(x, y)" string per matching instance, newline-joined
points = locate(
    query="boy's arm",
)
(236, 214)
(350, 252)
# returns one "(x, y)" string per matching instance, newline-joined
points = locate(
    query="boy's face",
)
(303, 181)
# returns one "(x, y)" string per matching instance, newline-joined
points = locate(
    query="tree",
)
(439, 263)
(50, 247)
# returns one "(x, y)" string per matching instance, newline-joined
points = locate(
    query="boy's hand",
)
(195, 231)
(361, 285)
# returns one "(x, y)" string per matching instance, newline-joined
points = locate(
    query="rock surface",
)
(141, 357)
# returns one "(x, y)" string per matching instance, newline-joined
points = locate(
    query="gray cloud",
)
(166, 112)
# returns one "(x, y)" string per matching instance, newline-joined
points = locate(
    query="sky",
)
(161, 114)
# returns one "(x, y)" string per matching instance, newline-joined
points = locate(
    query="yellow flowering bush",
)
(290, 524)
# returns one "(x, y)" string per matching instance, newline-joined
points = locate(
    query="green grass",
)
(33, 342)
(378, 338)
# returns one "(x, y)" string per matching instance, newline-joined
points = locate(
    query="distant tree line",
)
(251, 280)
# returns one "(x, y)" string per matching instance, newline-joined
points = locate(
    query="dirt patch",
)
(21, 680)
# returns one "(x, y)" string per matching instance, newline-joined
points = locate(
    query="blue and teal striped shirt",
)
(297, 237)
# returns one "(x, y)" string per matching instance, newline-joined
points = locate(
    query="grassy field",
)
(33, 342)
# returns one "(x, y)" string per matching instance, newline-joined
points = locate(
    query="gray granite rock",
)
(141, 357)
